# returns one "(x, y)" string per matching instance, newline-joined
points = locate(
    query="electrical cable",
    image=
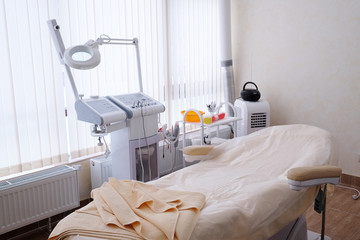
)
(163, 150)
(146, 142)
(171, 139)
(107, 149)
(174, 161)
(141, 161)
(293, 227)
(355, 196)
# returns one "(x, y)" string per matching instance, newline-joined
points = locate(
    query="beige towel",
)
(134, 210)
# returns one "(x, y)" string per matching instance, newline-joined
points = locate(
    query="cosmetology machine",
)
(131, 119)
(138, 141)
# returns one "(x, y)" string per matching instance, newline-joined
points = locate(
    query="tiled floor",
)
(38, 234)
(342, 216)
(342, 219)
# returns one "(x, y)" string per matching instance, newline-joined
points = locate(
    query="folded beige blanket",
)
(134, 210)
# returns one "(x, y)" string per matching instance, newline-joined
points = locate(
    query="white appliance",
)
(135, 147)
(101, 170)
(131, 119)
(255, 116)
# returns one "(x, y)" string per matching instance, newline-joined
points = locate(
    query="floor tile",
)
(342, 216)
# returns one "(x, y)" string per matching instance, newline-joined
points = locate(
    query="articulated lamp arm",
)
(59, 46)
(104, 39)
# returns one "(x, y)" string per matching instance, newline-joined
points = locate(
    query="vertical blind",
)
(194, 65)
(179, 58)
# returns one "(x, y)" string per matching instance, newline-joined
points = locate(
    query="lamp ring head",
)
(83, 57)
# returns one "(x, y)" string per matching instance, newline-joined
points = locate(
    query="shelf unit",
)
(217, 123)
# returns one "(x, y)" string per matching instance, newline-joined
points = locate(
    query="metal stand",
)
(320, 207)
(49, 228)
(323, 214)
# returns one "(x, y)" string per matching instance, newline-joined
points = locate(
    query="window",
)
(179, 58)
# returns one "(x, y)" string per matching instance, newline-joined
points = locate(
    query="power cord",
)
(141, 161)
(171, 138)
(355, 196)
(107, 149)
(145, 137)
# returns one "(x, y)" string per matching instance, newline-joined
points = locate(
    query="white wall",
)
(305, 59)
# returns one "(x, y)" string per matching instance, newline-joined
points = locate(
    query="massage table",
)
(255, 187)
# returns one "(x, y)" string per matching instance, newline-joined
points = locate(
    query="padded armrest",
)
(301, 177)
(197, 150)
(194, 153)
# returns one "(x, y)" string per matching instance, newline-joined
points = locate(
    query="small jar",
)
(207, 118)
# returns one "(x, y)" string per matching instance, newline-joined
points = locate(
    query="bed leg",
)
(49, 225)
(323, 213)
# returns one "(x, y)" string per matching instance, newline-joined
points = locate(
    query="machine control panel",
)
(99, 111)
(137, 104)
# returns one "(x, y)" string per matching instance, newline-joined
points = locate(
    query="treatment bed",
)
(239, 190)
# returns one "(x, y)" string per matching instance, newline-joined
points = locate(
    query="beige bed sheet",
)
(245, 183)
(134, 210)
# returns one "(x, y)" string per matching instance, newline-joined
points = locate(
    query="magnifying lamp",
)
(83, 57)
(87, 56)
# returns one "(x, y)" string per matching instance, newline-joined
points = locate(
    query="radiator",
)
(101, 170)
(31, 198)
